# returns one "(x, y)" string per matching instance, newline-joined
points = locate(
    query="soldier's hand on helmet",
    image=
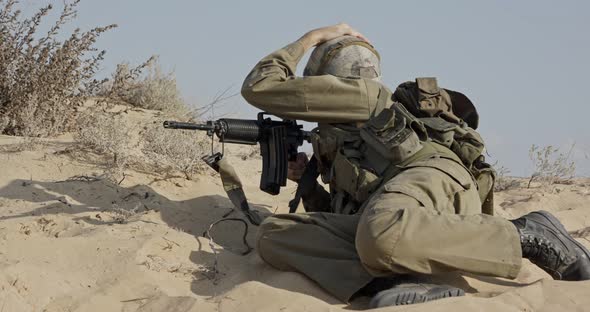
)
(296, 168)
(323, 34)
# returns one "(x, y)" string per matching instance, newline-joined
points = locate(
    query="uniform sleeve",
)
(273, 87)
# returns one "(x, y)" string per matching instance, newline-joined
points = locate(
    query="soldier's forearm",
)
(308, 41)
(267, 82)
(273, 87)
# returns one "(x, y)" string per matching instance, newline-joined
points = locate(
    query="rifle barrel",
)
(187, 125)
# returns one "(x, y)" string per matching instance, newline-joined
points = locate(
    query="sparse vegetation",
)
(503, 180)
(158, 150)
(550, 165)
(43, 79)
(174, 150)
(146, 86)
(106, 134)
(44, 82)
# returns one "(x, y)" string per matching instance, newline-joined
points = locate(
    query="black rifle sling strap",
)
(306, 183)
(232, 186)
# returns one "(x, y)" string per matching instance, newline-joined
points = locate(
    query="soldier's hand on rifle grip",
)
(296, 168)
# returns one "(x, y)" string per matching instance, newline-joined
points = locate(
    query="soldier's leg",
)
(428, 221)
(318, 245)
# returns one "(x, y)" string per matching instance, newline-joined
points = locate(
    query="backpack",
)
(451, 120)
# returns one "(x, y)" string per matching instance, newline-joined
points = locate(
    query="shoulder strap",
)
(232, 186)
(428, 150)
(306, 183)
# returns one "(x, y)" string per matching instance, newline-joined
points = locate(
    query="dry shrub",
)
(174, 150)
(146, 86)
(157, 150)
(503, 181)
(42, 79)
(106, 134)
(120, 87)
(551, 165)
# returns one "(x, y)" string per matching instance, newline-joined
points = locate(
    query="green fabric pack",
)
(451, 120)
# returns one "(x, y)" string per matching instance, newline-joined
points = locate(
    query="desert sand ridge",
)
(72, 241)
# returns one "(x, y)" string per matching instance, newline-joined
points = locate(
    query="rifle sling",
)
(306, 183)
(232, 186)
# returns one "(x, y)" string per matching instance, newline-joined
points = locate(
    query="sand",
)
(72, 242)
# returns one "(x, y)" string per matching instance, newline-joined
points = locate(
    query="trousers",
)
(425, 220)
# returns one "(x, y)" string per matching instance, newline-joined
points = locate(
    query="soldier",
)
(407, 182)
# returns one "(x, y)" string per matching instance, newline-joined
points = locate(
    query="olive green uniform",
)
(426, 219)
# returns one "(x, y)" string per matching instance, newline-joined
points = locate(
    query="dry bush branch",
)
(218, 101)
(43, 80)
(153, 150)
(123, 82)
(503, 181)
(106, 134)
(551, 165)
(174, 150)
(146, 86)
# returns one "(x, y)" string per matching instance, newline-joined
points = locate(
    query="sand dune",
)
(93, 245)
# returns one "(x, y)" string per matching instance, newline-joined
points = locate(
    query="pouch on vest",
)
(468, 145)
(390, 135)
(485, 176)
(327, 139)
(440, 130)
(349, 177)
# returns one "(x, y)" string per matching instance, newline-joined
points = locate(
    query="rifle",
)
(278, 141)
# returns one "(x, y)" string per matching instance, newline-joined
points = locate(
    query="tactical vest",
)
(356, 161)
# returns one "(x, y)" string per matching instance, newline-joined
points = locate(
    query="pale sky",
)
(525, 64)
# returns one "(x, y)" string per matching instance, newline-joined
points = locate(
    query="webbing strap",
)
(428, 150)
(232, 186)
(306, 183)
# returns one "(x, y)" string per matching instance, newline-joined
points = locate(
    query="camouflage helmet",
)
(345, 57)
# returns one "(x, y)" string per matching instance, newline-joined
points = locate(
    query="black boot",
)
(547, 244)
(411, 293)
(405, 289)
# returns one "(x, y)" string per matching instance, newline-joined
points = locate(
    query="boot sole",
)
(405, 297)
(557, 224)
